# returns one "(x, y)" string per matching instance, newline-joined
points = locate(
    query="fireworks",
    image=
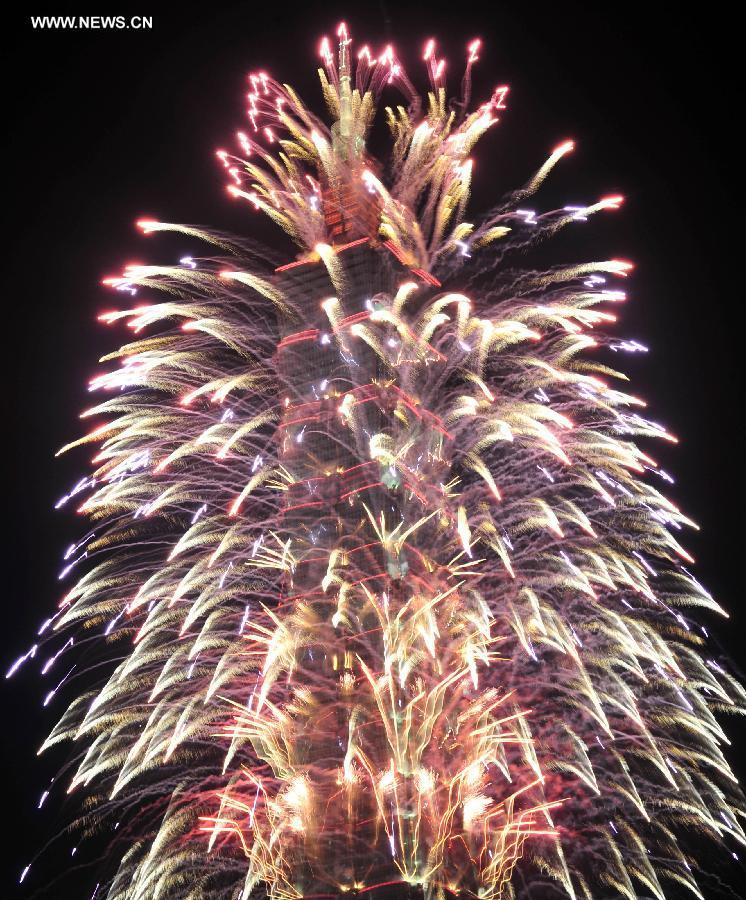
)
(378, 557)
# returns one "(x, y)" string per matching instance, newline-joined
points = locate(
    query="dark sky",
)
(103, 127)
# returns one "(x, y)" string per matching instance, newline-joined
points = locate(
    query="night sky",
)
(103, 127)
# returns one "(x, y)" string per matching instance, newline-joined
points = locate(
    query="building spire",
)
(344, 143)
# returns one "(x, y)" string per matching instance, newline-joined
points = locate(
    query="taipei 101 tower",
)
(400, 608)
